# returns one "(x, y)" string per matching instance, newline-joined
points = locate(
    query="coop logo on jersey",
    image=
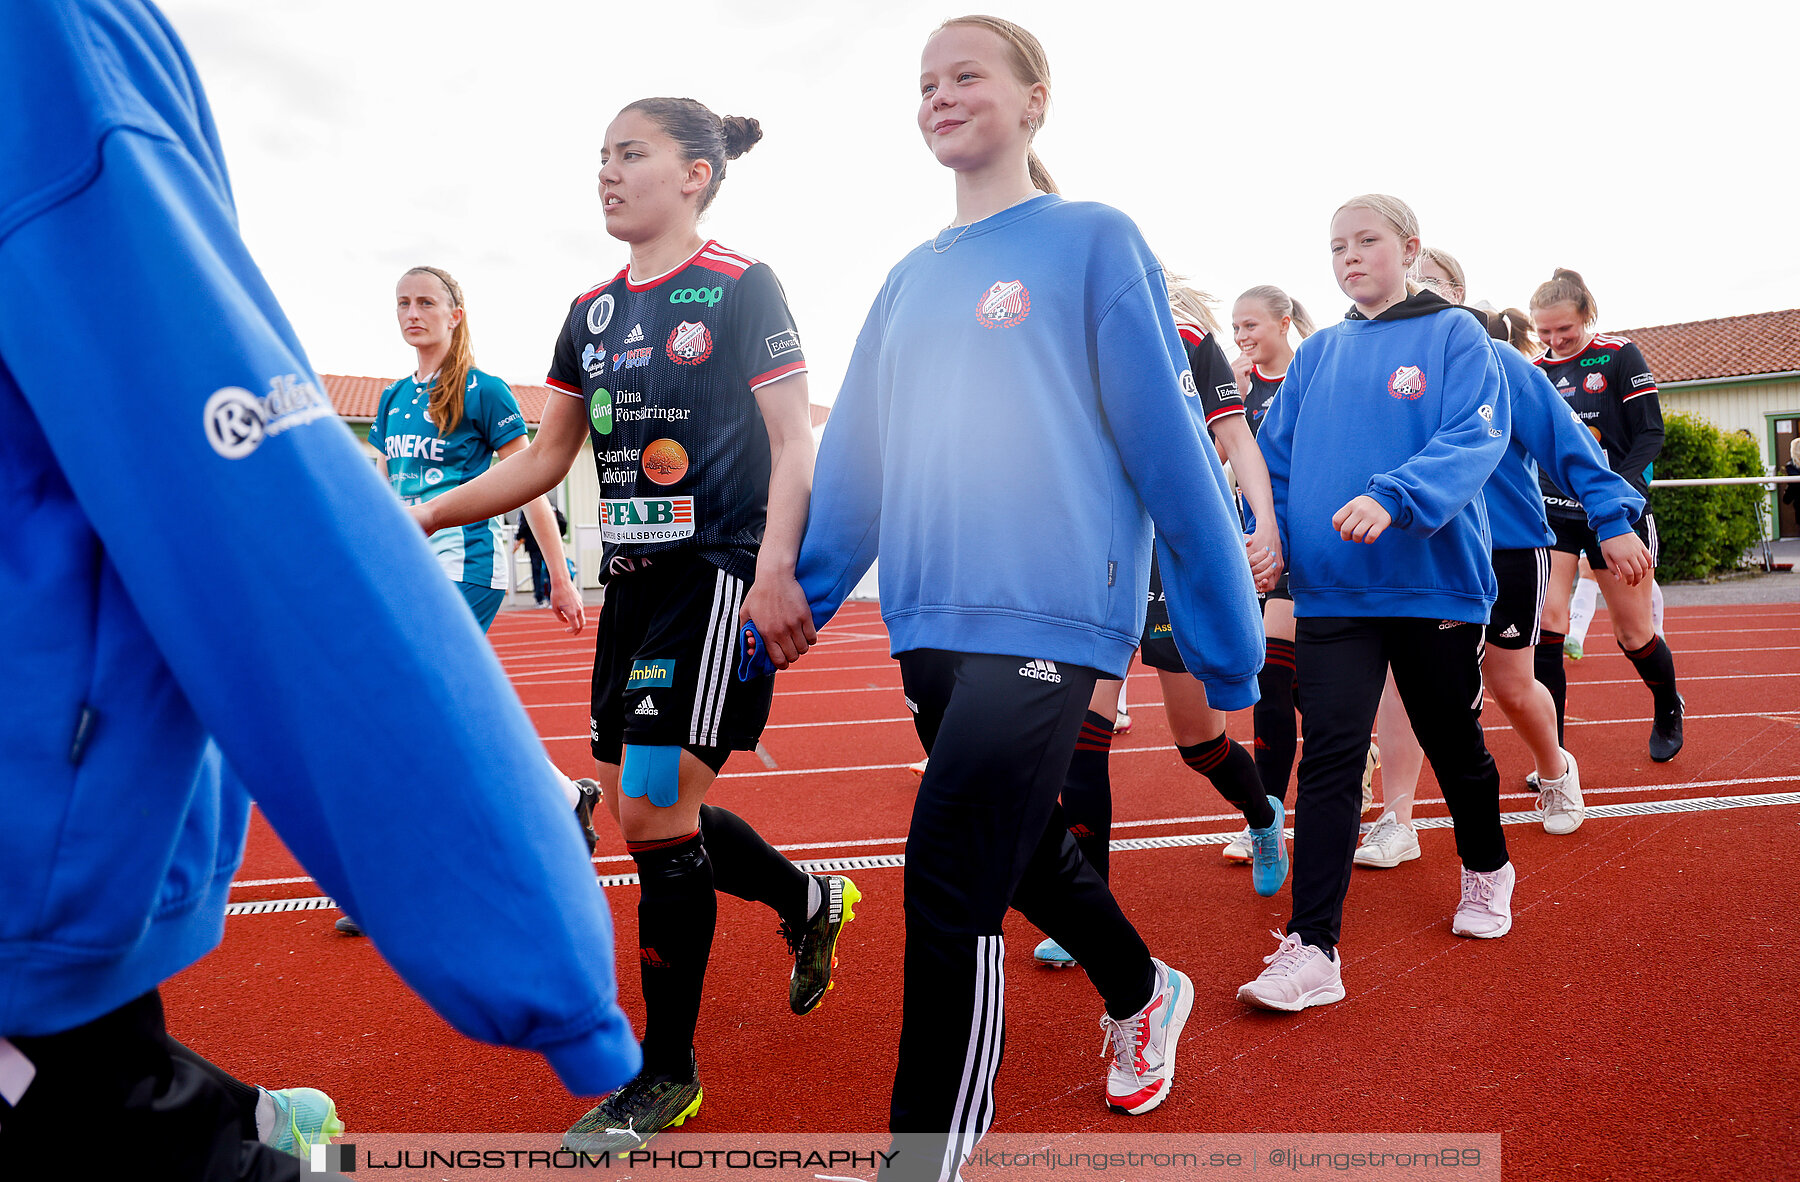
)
(600, 411)
(1594, 383)
(1408, 383)
(647, 519)
(632, 359)
(782, 342)
(690, 343)
(593, 360)
(697, 295)
(1487, 416)
(237, 421)
(1188, 386)
(645, 674)
(1004, 304)
(1600, 360)
(600, 314)
(665, 461)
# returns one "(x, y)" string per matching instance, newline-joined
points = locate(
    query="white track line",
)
(1134, 844)
(1155, 821)
(1784, 716)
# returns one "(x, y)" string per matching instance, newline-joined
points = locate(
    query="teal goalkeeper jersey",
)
(422, 462)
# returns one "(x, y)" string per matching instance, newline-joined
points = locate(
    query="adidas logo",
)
(647, 707)
(1443, 625)
(1042, 671)
(1511, 632)
(635, 335)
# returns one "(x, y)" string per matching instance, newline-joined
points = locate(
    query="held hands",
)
(782, 617)
(1263, 548)
(1628, 558)
(1362, 520)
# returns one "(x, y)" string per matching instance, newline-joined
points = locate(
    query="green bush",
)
(1707, 529)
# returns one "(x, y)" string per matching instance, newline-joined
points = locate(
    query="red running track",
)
(1637, 1022)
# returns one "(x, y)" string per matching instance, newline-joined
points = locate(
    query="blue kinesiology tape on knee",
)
(654, 772)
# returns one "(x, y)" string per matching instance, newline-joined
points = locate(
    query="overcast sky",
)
(1654, 154)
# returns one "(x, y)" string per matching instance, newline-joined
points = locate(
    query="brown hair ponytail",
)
(1512, 326)
(446, 406)
(1280, 304)
(1567, 287)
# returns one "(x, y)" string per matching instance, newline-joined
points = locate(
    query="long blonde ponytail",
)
(446, 406)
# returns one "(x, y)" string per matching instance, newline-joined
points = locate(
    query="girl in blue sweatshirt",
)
(1544, 436)
(1378, 444)
(1018, 408)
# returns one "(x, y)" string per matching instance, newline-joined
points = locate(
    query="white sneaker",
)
(1486, 908)
(1299, 975)
(918, 769)
(1121, 723)
(1242, 848)
(1388, 844)
(1560, 800)
(1142, 1047)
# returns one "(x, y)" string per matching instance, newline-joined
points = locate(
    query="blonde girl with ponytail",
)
(444, 425)
(441, 427)
(1018, 410)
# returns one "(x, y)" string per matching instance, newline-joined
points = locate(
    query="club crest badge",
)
(1408, 383)
(599, 314)
(1004, 304)
(690, 343)
(1594, 383)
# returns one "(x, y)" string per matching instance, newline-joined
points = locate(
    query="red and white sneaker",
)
(1142, 1047)
(1299, 975)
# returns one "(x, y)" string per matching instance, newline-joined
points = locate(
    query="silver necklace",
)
(936, 249)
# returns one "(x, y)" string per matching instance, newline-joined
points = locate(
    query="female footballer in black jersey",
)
(686, 371)
(1260, 321)
(1609, 386)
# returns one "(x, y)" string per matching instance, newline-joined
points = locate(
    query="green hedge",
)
(1704, 530)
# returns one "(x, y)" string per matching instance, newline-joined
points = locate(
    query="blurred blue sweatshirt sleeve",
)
(1162, 441)
(299, 607)
(843, 524)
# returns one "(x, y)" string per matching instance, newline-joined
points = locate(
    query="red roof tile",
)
(358, 398)
(1713, 350)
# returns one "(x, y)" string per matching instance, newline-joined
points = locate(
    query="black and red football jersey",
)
(1213, 379)
(668, 368)
(1259, 396)
(1611, 390)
